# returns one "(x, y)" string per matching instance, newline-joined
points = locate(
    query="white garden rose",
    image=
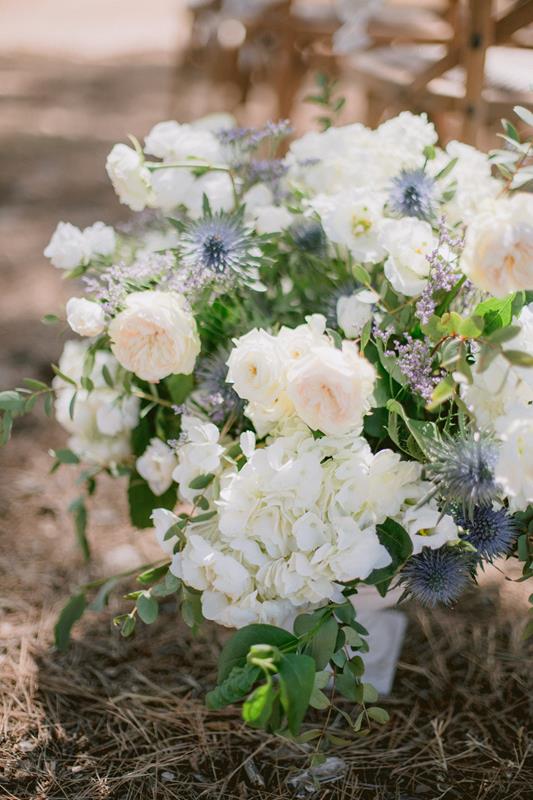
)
(354, 311)
(331, 388)
(155, 335)
(156, 466)
(85, 317)
(68, 247)
(130, 177)
(408, 243)
(172, 141)
(255, 368)
(514, 468)
(353, 219)
(100, 238)
(498, 251)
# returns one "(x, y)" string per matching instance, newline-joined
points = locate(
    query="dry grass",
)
(126, 719)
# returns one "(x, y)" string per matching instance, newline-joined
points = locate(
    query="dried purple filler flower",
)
(415, 361)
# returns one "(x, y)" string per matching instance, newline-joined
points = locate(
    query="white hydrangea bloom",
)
(100, 421)
(470, 180)
(199, 455)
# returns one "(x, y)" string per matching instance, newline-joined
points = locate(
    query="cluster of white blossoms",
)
(70, 247)
(99, 420)
(358, 232)
(295, 523)
(300, 372)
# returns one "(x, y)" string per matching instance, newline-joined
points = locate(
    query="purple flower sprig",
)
(443, 272)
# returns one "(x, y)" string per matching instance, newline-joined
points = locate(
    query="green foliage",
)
(324, 97)
(71, 613)
(142, 501)
(78, 510)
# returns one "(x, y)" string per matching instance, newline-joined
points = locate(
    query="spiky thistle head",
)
(215, 393)
(463, 470)
(437, 576)
(219, 245)
(491, 531)
(308, 235)
(412, 194)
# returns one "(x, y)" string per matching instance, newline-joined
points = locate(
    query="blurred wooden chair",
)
(475, 73)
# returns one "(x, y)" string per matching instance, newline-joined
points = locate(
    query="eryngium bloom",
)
(437, 576)
(219, 396)
(412, 194)
(463, 469)
(218, 247)
(308, 235)
(492, 532)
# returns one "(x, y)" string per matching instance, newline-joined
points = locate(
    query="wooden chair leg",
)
(480, 25)
(375, 108)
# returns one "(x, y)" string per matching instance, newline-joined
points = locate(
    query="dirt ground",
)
(125, 719)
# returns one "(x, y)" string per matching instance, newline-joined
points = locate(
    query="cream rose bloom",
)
(85, 317)
(129, 176)
(331, 388)
(498, 252)
(155, 335)
(255, 368)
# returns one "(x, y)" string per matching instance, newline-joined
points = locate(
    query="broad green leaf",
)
(71, 613)
(148, 608)
(11, 401)
(297, 676)
(378, 714)
(142, 501)
(179, 387)
(236, 649)
(322, 645)
(78, 510)
(66, 457)
(202, 481)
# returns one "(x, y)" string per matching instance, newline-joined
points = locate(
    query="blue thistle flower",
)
(463, 470)
(492, 532)
(308, 235)
(412, 194)
(437, 576)
(220, 397)
(218, 243)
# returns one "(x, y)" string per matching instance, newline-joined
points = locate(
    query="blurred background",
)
(76, 77)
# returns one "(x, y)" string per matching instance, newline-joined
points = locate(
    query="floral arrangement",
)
(313, 374)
